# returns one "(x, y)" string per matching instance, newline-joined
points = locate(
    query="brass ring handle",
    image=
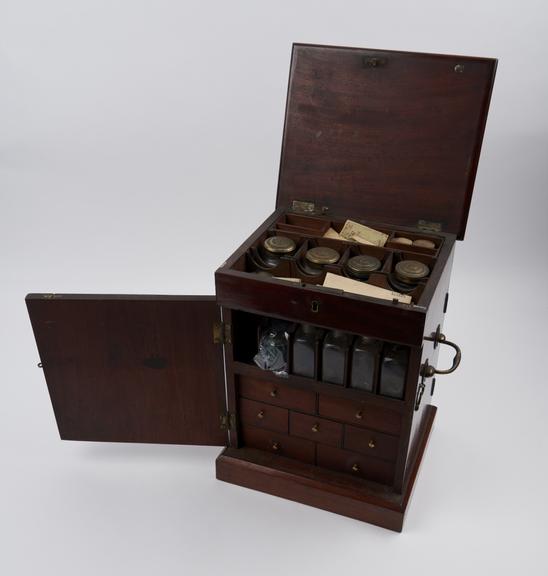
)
(275, 446)
(260, 414)
(315, 428)
(273, 393)
(428, 371)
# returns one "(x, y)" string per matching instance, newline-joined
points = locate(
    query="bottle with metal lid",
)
(316, 258)
(274, 247)
(411, 271)
(394, 363)
(407, 274)
(279, 245)
(304, 350)
(360, 267)
(365, 363)
(335, 351)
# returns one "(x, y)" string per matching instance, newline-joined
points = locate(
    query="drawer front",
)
(360, 414)
(371, 443)
(277, 394)
(316, 429)
(277, 443)
(264, 415)
(356, 464)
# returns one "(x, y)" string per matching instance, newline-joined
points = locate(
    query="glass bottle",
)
(393, 370)
(365, 361)
(273, 347)
(334, 356)
(304, 350)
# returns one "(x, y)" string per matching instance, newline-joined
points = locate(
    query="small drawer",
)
(371, 443)
(314, 428)
(360, 414)
(276, 443)
(263, 415)
(277, 394)
(356, 464)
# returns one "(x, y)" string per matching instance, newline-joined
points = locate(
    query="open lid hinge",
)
(306, 207)
(222, 333)
(228, 421)
(427, 226)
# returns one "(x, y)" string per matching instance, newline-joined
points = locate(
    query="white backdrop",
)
(124, 126)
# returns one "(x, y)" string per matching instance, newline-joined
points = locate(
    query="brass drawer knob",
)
(355, 468)
(315, 428)
(371, 443)
(275, 446)
(359, 414)
(273, 393)
(260, 414)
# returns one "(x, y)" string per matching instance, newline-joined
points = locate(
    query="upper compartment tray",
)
(244, 283)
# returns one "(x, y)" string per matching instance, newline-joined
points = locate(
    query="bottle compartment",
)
(312, 353)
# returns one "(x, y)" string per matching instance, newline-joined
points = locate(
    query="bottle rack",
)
(247, 330)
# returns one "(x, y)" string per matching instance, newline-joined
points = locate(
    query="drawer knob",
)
(273, 393)
(315, 428)
(275, 446)
(260, 414)
(371, 443)
(359, 414)
(355, 468)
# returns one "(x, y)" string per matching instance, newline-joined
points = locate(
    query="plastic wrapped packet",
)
(272, 354)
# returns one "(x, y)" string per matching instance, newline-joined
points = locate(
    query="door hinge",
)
(222, 333)
(305, 207)
(228, 421)
(427, 226)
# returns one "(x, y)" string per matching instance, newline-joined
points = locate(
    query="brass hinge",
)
(228, 421)
(305, 207)
(427, 226)
(222, 333)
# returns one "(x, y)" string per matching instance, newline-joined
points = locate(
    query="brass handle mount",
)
(438, 338)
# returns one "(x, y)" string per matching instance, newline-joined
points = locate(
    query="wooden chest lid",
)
(384, 136)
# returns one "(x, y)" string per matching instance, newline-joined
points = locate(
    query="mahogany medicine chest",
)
(389, 139)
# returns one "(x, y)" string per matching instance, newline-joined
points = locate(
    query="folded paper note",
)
(296, 280)
(355, 287)
(333, 234)
(360, 233)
